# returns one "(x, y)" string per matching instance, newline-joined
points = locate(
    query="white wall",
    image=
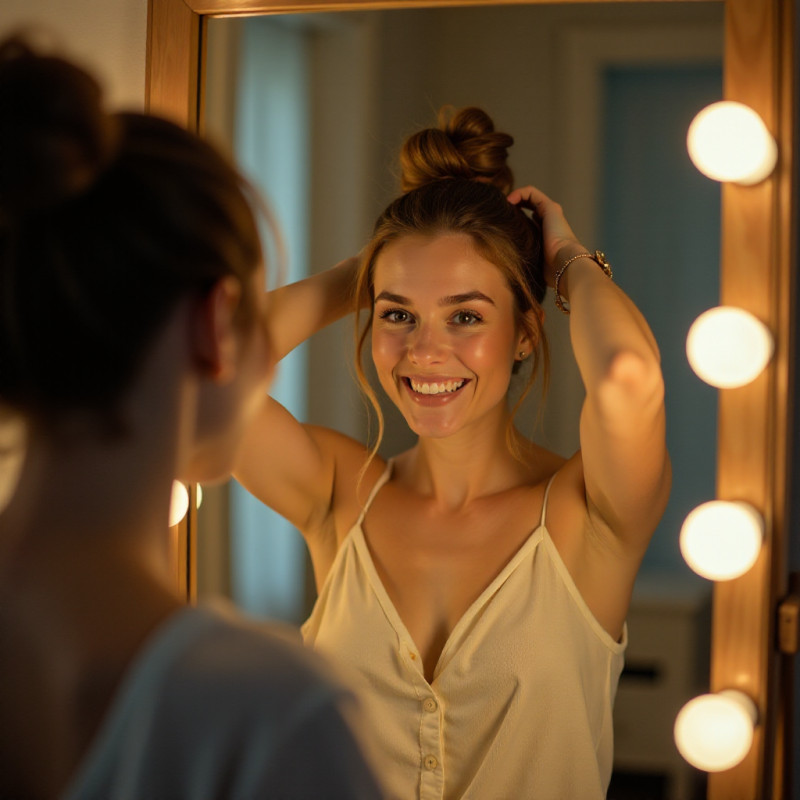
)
(106, 36)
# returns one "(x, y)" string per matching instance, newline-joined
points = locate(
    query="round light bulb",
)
(179, 503)
(199, 495)
(714, 732)
(728, 141)
(728, 346)
(721, 540)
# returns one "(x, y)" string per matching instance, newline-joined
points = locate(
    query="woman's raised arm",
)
(622, 473)
(299, 310)
(625, 461)
(289, 466)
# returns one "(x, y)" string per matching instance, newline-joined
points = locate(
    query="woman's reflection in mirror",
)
(477, 584)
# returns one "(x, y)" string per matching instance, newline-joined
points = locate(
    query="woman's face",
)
(444, 333)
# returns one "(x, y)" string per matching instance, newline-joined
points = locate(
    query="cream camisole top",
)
(521, 699)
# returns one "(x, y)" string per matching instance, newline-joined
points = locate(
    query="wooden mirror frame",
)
(756, 273)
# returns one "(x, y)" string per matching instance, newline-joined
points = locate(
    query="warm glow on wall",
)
(728, 141)
(728, 346)
(721, 540)
(714, 732)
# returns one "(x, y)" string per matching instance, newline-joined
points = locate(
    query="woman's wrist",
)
(575, 258)
(558, 278)
(567, 251)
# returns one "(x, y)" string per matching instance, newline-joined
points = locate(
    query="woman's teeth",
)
(436, 388)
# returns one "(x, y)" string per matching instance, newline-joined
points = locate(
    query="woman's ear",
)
(215, 337)
(528, 335)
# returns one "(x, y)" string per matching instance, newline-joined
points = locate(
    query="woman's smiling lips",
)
(433, 389)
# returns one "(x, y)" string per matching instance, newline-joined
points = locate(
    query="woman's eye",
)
(466, 318)
(396, 315)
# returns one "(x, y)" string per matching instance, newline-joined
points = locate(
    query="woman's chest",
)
(435, 565)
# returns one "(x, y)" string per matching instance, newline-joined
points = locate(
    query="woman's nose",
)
(426, 346)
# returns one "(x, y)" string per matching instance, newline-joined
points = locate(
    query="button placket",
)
(432, 769)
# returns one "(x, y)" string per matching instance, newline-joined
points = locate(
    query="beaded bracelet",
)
(598, 257)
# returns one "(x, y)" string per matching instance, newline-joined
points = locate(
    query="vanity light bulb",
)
(721, 540)
(728, 141)
(199, 495)
(179, 504)
(728, 346)
(714, 732)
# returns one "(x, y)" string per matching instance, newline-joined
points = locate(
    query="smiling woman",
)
(475, 547)
(420, 319)
(482, 231)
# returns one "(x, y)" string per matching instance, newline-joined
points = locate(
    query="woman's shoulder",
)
(214, 682)
(563, 480)
(349, 455)
(356, 468)
(353, 471)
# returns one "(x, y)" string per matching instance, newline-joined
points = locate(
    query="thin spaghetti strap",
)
(544, 502)
(376, 488)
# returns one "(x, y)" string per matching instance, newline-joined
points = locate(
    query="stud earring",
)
(522, 354)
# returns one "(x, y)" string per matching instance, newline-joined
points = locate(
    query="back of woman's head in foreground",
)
(106, 222)
(455, 180)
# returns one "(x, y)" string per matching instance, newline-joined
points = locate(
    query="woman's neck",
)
(475, 462)
(100, 496)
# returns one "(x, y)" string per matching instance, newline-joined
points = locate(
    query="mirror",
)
(345, 131)
(751, 455)
(321, 138)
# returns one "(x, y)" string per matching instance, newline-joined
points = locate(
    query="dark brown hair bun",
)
(464, 145)
(54, 136)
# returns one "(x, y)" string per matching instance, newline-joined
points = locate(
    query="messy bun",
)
(464, 145)
(54, 136)
(106, 222)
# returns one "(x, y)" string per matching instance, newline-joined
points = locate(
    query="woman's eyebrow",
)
(467, 297)
(449, 300)
(393, 298)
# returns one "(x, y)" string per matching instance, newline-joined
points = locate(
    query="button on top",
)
(429, 704)
(431, 762)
